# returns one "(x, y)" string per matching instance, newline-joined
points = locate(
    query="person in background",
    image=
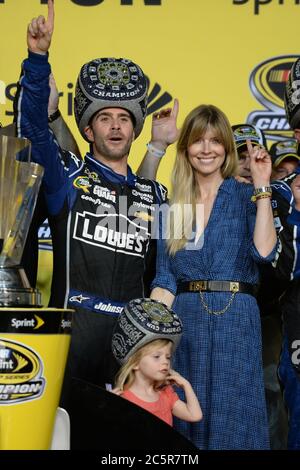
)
(241, 133)
(164, 132)
(289, 367)
(268, 300)
(285, 158)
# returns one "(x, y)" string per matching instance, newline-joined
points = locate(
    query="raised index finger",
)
(50, 18)
(175, 109)
(249, 146)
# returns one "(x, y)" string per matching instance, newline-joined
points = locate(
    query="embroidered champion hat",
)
(143, 321)
(243, 132)
(292, 96)
(281, 150)
(110, 83)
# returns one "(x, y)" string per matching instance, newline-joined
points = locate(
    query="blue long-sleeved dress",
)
(221, 354)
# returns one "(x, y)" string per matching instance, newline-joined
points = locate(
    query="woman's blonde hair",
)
(126, 374)
(182, 215)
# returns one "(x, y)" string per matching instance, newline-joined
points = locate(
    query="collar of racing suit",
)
(111, 175)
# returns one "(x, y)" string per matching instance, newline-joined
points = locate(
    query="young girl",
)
(146, 381)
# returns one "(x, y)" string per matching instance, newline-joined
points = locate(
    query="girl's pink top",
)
(162, 408)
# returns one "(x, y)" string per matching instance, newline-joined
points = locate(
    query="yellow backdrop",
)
(200, 51)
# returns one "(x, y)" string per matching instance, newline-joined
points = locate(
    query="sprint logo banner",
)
(32, 321)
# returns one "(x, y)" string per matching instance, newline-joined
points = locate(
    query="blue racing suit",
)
(102, 226)
(287, 267)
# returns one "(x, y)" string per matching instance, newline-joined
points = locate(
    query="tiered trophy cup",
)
(34, 341)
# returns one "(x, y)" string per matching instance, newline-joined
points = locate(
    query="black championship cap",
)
(281, 150)
(110, 83)
(292, 96)
(243, 132)
(143, 321)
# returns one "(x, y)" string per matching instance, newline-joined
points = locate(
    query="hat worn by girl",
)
(143, 321)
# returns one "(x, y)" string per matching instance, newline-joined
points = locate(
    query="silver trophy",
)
(19, 186)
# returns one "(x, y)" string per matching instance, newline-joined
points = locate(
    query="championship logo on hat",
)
(110, 83)
(143, 321)
(292, 96)
(281, 150)
(243, 132)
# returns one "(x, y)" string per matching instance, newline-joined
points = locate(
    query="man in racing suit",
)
(102, 214)
(289, 367)
(288, 268)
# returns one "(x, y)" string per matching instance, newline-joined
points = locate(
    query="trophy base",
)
(15, 290)
(20, 298)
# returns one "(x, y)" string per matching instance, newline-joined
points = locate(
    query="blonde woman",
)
(217, 232)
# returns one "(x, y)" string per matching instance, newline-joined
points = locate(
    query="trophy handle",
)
(19, 186)
(13, 244)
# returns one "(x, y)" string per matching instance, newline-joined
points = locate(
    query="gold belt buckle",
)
(196, 286)
(234, 287)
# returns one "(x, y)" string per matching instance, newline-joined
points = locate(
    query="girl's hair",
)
(184, 185)
(126, 374)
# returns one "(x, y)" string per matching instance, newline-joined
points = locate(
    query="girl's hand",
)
(176, 379)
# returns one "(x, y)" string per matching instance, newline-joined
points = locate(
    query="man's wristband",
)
(154, 151)
(54, 116)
